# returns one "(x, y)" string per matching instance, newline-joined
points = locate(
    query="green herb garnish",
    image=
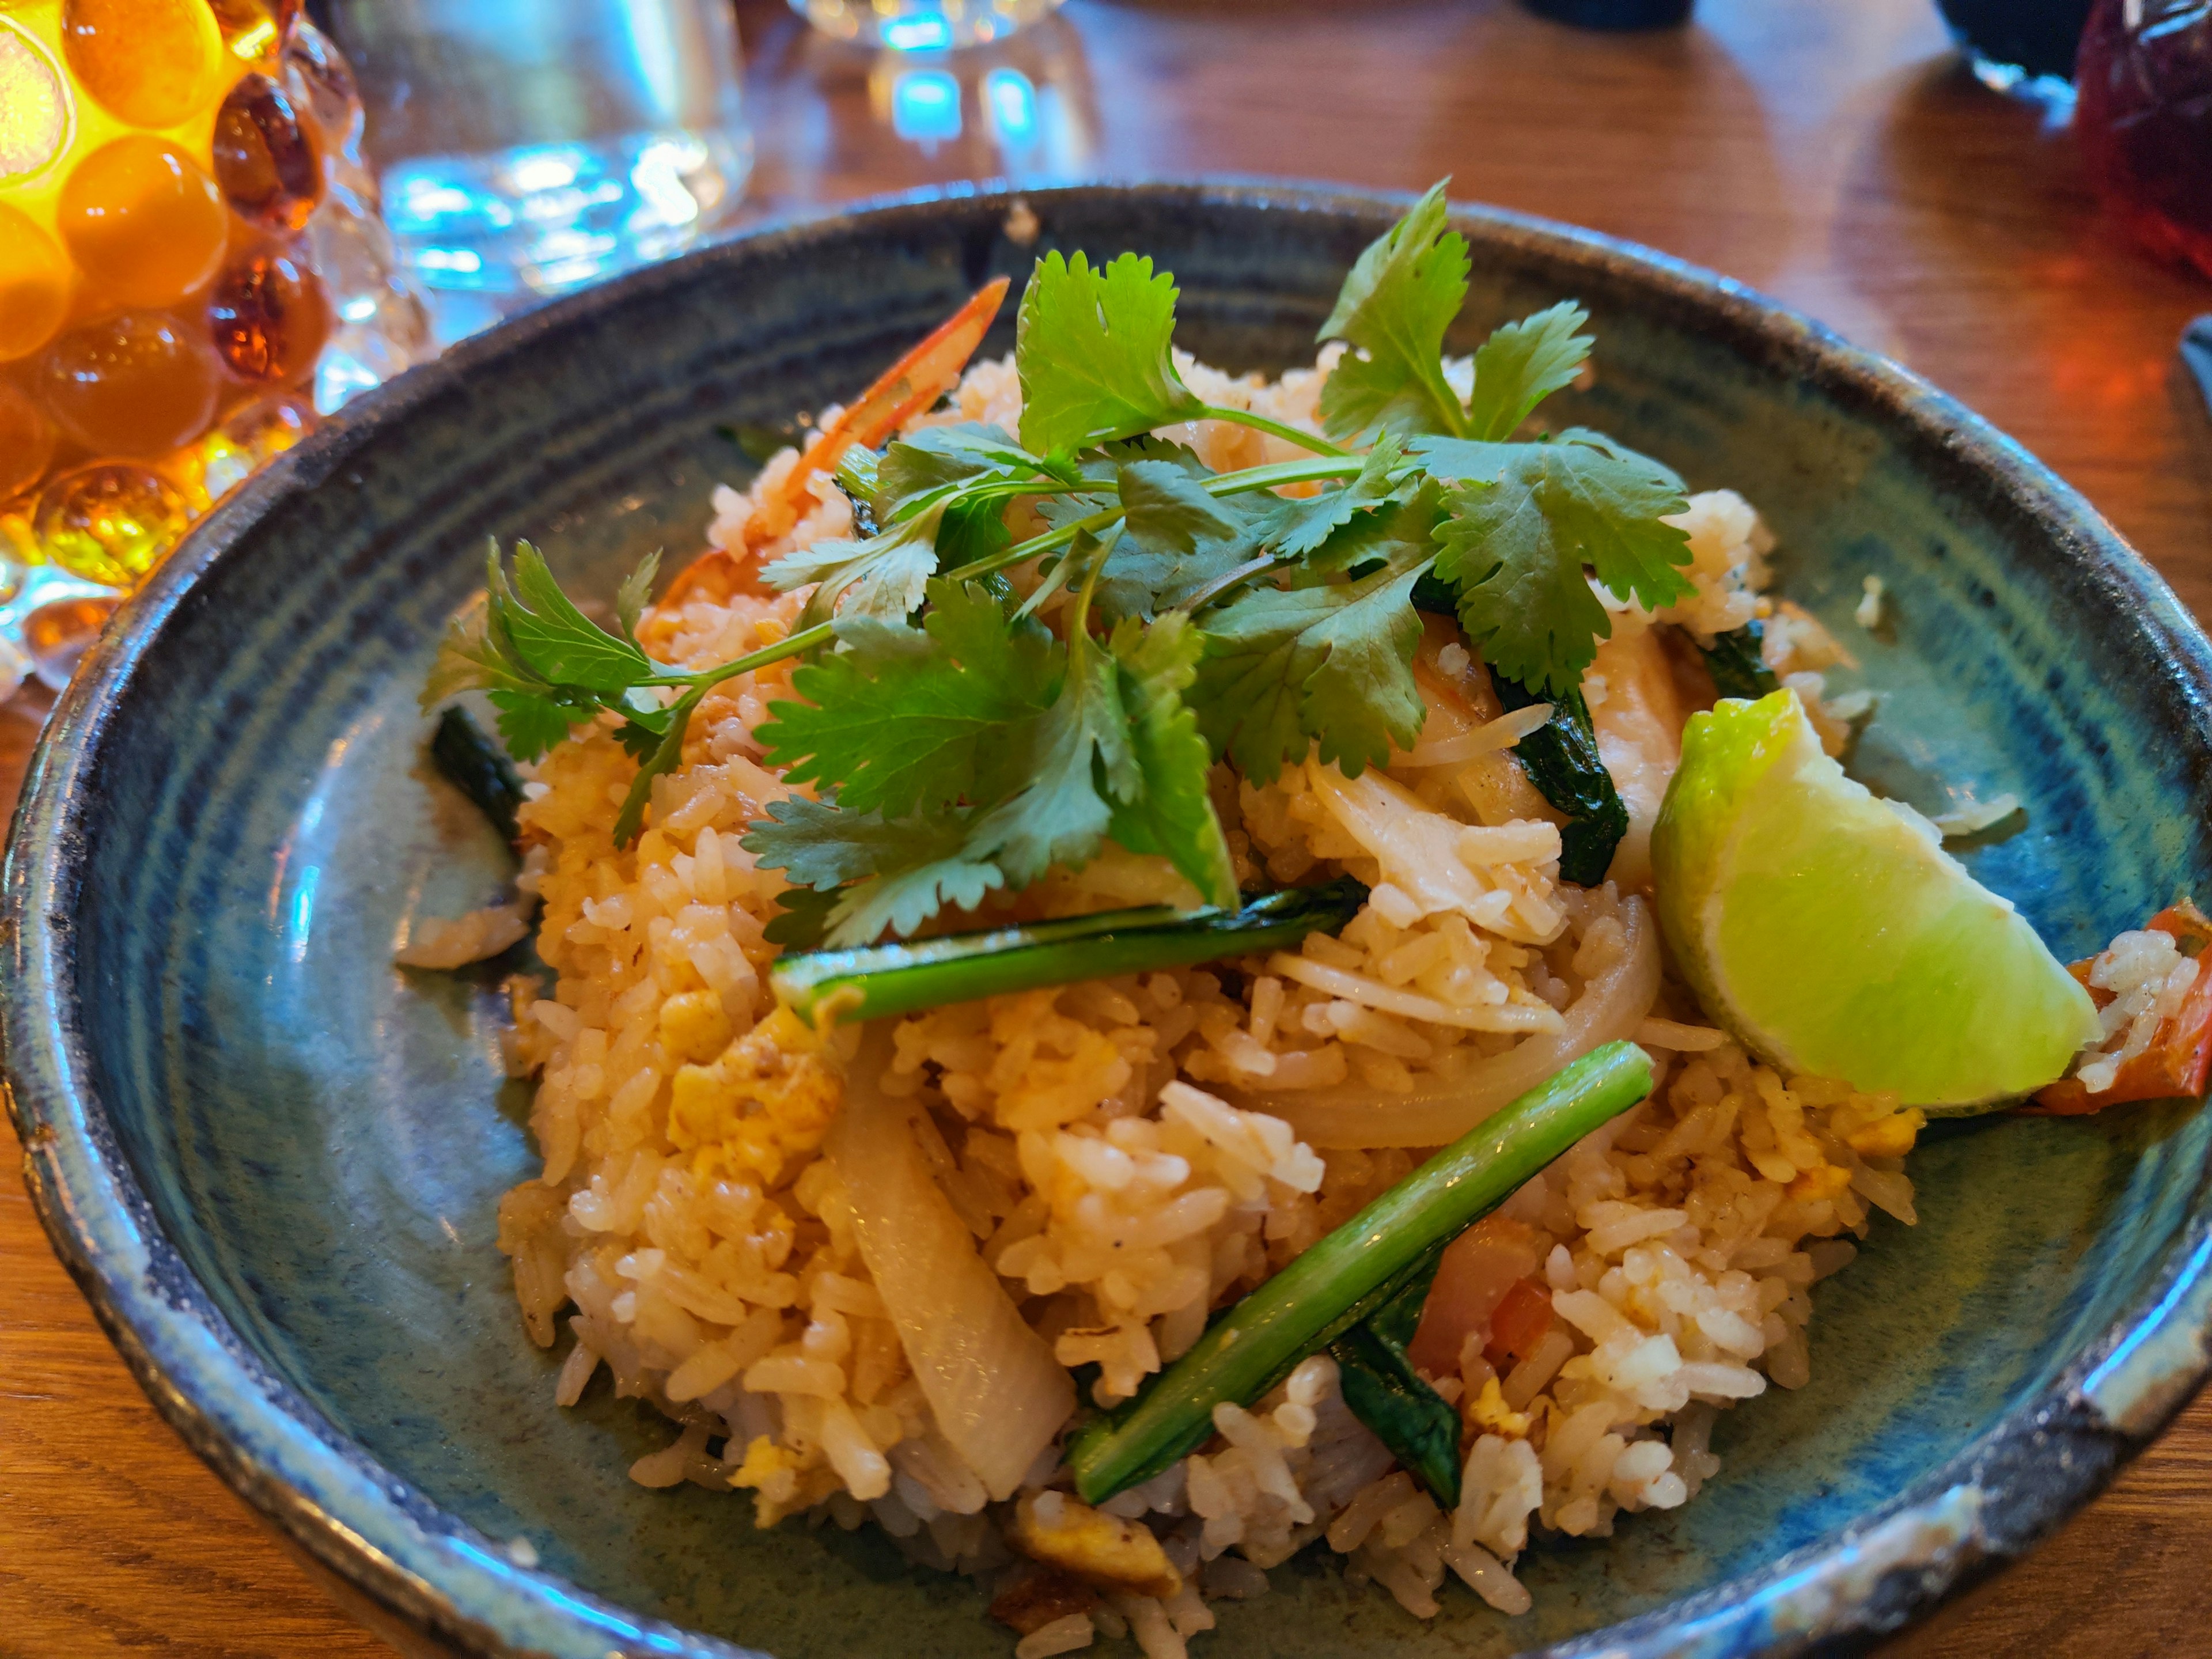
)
(1561, 759)
(959, 746)
(1737, 661)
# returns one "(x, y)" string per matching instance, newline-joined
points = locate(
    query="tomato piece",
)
(1477, 1272)
(2179, 1056)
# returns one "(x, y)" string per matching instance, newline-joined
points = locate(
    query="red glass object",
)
(2144, 114)
(269, 317)
(264, 158)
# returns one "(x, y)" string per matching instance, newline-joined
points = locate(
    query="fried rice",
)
(1128, 1154)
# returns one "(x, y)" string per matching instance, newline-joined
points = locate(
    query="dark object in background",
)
(2012, 40)
(2145, 118)
(1613, 14)
(2196, 352)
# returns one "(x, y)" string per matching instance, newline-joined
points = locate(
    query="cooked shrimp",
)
(1638, 709)
(906, 389)
(1461, 701)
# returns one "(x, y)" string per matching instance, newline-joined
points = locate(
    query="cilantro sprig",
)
(546, 666)
(959, 744)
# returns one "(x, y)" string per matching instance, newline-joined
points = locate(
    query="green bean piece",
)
(1345, 1277)
(878, 981)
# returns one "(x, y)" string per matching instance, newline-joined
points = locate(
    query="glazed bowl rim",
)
(327, 1495)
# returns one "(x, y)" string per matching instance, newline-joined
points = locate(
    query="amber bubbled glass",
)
(192, 268)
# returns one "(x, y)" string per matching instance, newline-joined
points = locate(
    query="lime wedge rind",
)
(1830, 933)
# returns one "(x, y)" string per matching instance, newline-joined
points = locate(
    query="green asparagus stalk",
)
(878, 981)
(1358, 1267)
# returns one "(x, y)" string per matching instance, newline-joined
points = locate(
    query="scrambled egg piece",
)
(1098, 1549)
(693, 1026)
(1488, 1414)
(1824, 1181)
(783, 1481)
(765, 1099)
(1889, 1137)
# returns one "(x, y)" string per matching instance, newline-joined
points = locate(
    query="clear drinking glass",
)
(2024, 47)
(529, 146)
(922, 25)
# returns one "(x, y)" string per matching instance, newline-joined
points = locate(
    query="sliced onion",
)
(999, 1394)
(1487, 739)
(1446, 1104)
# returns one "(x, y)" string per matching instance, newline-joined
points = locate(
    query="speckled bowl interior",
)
(273, 1159)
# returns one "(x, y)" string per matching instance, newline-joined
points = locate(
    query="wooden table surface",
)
(1830, 152)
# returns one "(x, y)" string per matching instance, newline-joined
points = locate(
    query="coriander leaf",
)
(639, 738)
(1395, 307)
(1526, 520)
(1297, 529)
(1523, 363)
(468, 660)
(883, 576)
(897, 718)
(915, 472)
(1174, 813)
(1066, 752)
(664, 758)
(550, 636)
(1165, 507)
(1092, 351)
(909, 892)
(1168, 553)
(1401, 529)
(1286, 668)
(802, 919)
(817, 843)
(972, 530)
(530, 724)
(635, 593)
(859, 474)
(894, 873)
(1524, 601)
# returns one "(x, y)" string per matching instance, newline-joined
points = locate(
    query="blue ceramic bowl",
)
(272, 1159)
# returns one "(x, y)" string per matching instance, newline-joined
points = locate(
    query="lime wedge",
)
(1829, 930)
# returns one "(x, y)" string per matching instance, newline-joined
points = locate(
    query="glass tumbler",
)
(922, 25)
(529, 146)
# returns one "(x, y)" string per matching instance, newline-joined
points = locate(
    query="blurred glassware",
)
(2023, 48)
(529, 146)
(922, 25)
(2196, 355)
(2145, 118)
(174, 177)
(1018, 109)
(1613, 14)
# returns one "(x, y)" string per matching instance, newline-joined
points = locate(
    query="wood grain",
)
(1828, 151)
